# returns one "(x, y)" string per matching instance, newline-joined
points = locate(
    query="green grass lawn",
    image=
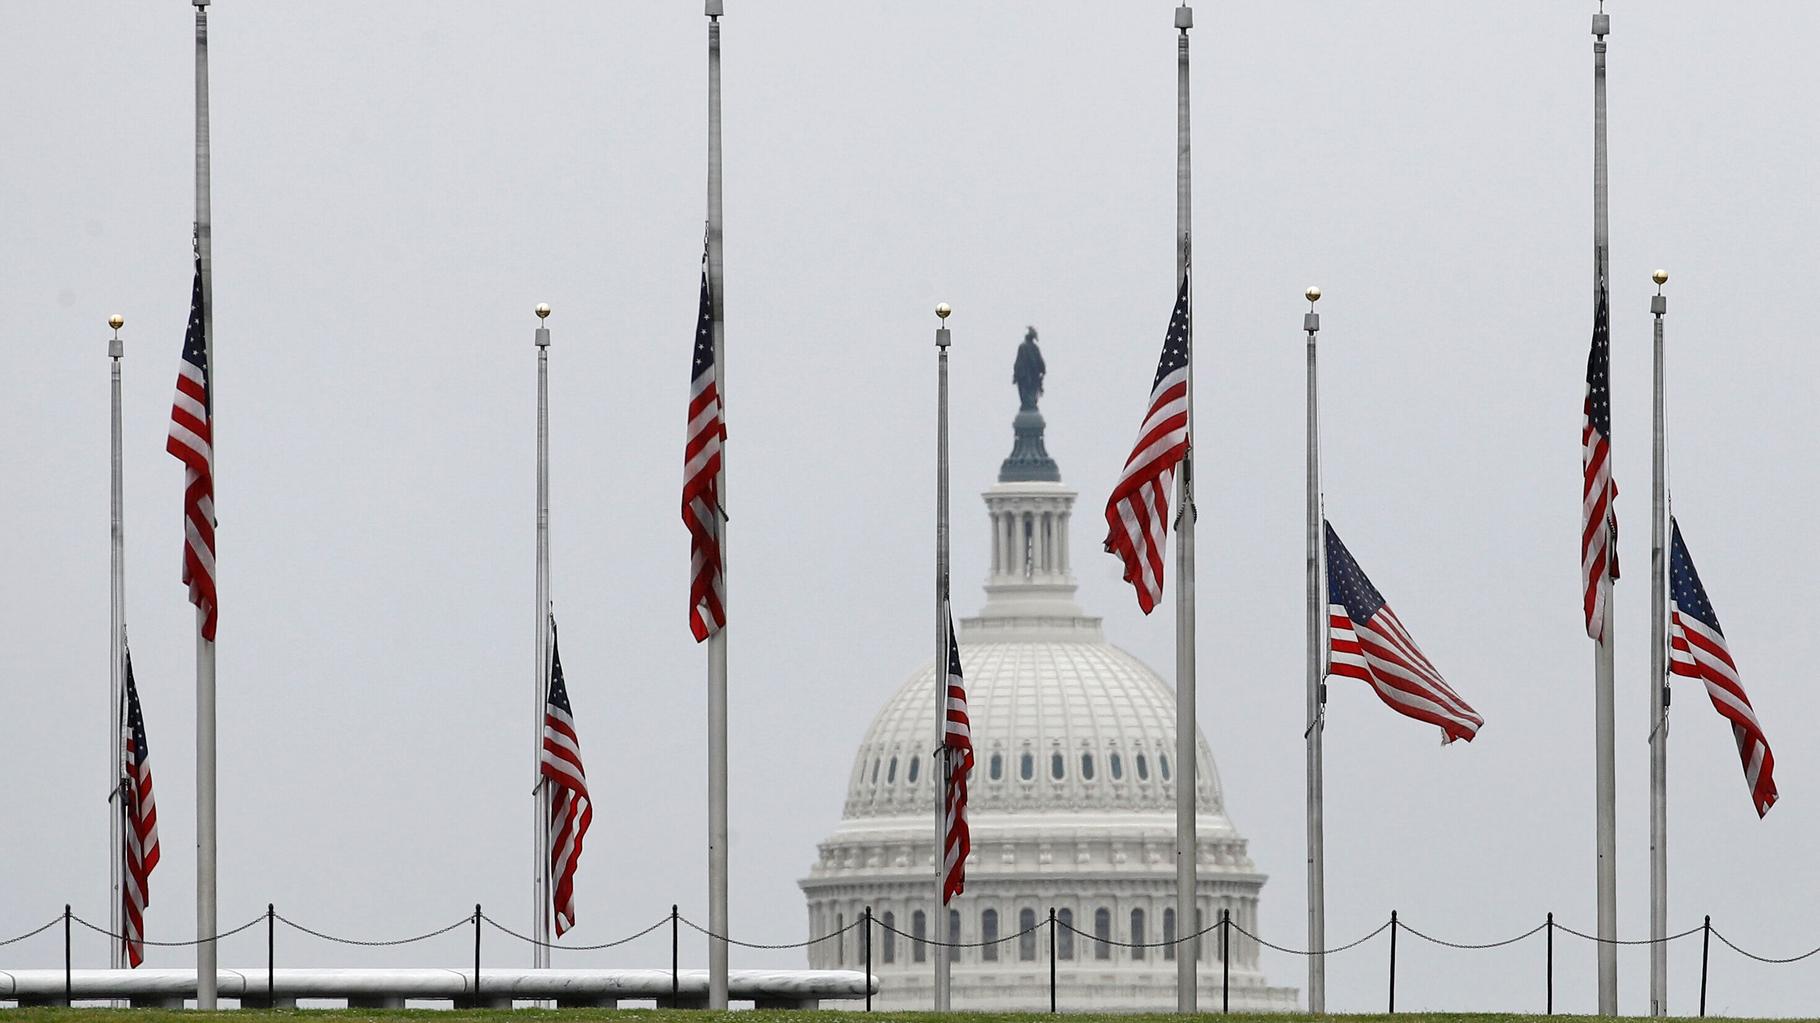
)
(699, 1016)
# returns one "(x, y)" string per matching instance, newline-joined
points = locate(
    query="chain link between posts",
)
(961, 944)
(1463, 945)
(857, 922)
(294, 925)
(503, 929)
(1385, 926)
(1762, 959)
(1627, 941)
(54, 921)
(163, 944)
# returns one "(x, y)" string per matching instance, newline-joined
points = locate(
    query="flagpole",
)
(1604, 712)
(1658, 673)
(717, 643)
(117, 650)
(1187, 772)
(939, 925)
(540, 843)
(205, 649)
(1317, 695)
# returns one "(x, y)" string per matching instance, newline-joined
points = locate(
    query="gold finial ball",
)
(1660, 277)
(943, 310)
(116, 321)
(543, 310)
(1313, 293)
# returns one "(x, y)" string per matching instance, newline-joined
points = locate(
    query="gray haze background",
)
(396, 185)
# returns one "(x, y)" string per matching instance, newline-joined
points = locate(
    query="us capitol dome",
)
(1071, 802)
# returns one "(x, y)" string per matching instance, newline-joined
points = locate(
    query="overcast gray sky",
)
(396, 185)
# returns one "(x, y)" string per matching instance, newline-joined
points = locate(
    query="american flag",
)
(192, 441)
(570, 813)
(139, 815)
(1366, 641)
(1598, 516)
(1697, 649)
(1137, 513)
(701, 509)
(957, 744)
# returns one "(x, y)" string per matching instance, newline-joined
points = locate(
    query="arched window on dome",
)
(1117, 766)
(1026, 767)
(891, 773)
(840, 939)
(1137, 934)
(915, 762)
(919, 926)
(1162, 765)
(1086, 767)
(1026, 937)
(1143, 768)
(996, 766)
(1169, 934)
(988, 935)
(1058, 765)
(954, 934)
(888, 950)
(875, 766)
(1064, 937)
(1102, 932)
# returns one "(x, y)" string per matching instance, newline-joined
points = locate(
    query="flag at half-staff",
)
(139, 815)
(566, 792)
(1697, 649)
(701, 509)
(957, 750)
(1368, 642)
(1598, 492)
(192, 441)
(1137, 513)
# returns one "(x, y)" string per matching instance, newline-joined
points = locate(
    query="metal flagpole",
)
(1604, 712)
(940, 922)
(205, 649)
(1658, 674)
(116, 671)
(1187, 773)
(1317, 688)
(717, 643)
(540, 843)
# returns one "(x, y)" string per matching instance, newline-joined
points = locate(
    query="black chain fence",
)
(1224, 927)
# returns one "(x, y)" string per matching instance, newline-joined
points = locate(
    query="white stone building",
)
(1072, 803)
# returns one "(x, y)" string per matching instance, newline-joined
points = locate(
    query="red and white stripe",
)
(192, 441)
(1696, 651)
(1381, 653)
(957, 739)
(701, 509)
(1598, 526)
(570, 812)
(1137, 513)
(139, 833)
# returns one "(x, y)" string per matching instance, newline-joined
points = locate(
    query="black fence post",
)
(1550, 966)
(67, 986)
(1051, 959)
(1393, 961)
(476, 955)
(675, 986)
(1706, 941)
(1225, 960)
(271, 956)
(868, 958)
